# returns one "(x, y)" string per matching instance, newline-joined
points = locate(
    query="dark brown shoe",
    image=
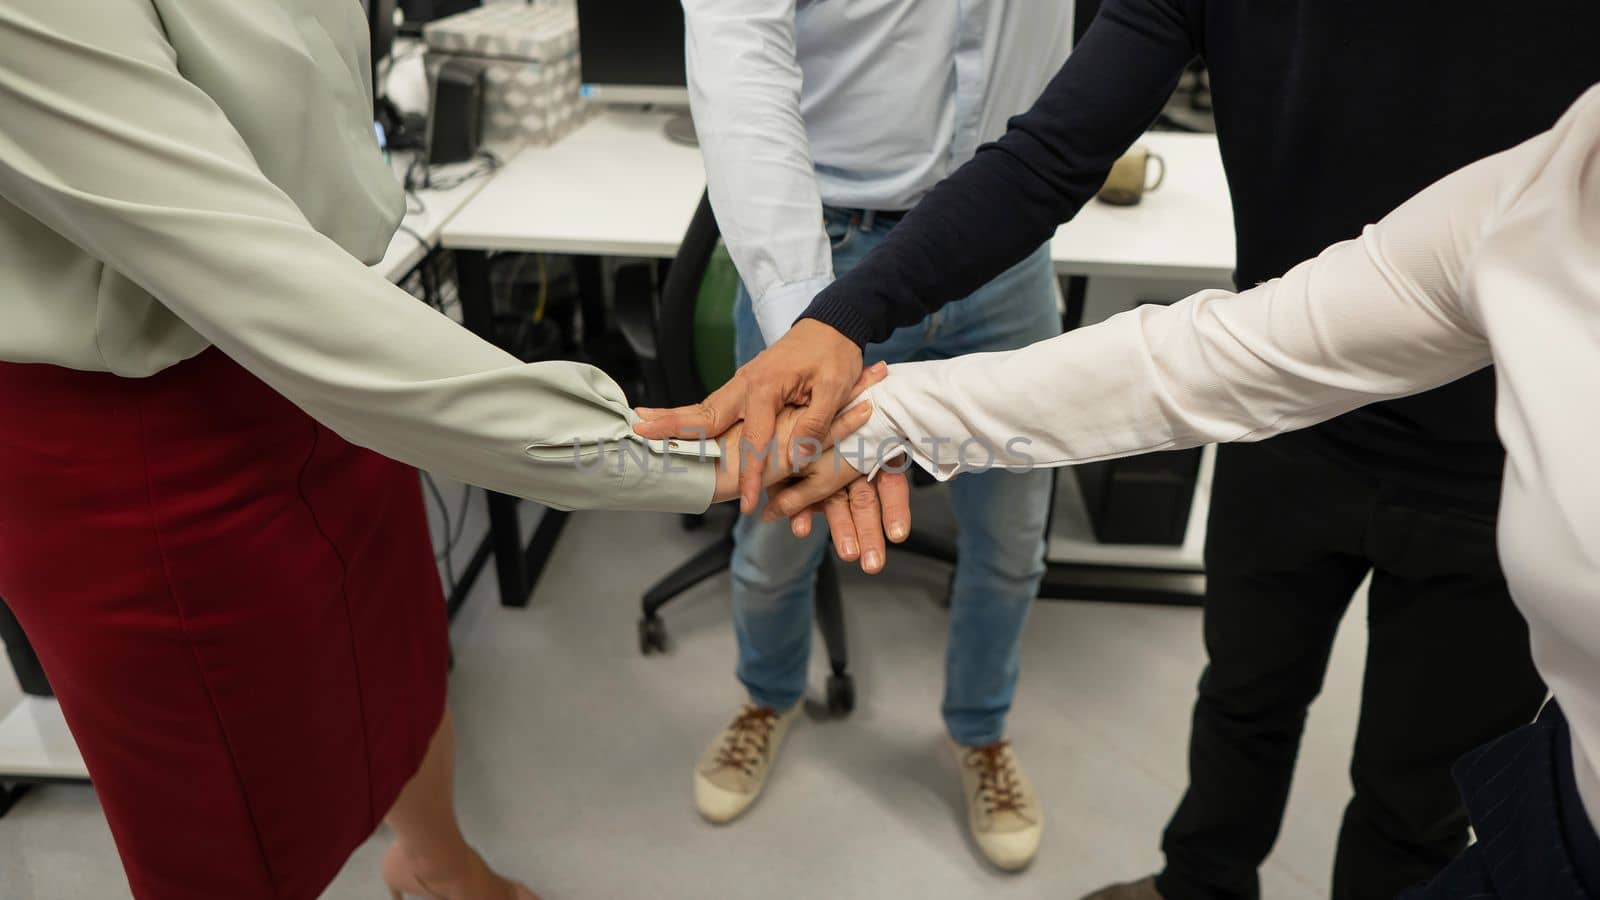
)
(1144, 889)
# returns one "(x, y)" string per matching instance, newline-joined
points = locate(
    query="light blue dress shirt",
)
(849, 103)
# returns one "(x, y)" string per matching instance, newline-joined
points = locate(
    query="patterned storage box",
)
(530, 55)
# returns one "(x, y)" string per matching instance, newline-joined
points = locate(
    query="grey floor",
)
(576, 752)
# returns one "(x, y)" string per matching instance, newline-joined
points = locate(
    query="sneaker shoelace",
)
(998, 783)
(748, 738)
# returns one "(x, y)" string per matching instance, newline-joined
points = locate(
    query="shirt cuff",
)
(679, 475)
(702, 447)
(877, 444)
(681, 484)
(780, 306)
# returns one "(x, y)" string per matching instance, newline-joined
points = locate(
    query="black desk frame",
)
(517, 566)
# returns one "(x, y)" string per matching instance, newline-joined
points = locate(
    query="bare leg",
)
(431, 856)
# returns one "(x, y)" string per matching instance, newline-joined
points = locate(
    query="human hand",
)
(832, 478)
(865, 511)
(861, 514)
(813, 367)
(790, 453)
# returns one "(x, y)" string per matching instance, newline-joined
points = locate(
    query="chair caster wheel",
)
(841, 695)
(652, 636)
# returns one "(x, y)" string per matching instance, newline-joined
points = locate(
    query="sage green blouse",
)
(176, 174)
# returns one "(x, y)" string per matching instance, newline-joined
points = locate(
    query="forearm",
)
(388, 373)
(109, 146)
(745, 84)
(1375, 318)
(1010, 198)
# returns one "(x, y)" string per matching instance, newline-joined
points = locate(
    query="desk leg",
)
(517, 568)
(30, 674)
(590, 276)
(540, 548)
(469, 577)
(1076, 297)
(505, 529)
(9, 795)
(472, 279)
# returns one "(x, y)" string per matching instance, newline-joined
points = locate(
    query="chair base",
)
(714, 560)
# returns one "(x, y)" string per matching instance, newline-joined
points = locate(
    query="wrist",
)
(727, 481)
(838, 316)
(727, 485)
(779, 309)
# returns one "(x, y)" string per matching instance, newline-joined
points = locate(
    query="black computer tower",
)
(1141, 499)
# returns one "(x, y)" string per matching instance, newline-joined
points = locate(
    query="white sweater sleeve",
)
(1378, 317)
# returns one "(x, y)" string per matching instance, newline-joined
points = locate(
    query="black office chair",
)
(671, 345)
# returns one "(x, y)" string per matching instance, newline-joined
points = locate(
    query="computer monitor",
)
(632, 52)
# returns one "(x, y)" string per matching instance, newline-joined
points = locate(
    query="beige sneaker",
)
(1002, 810)
(1143, 889)
(733, 770)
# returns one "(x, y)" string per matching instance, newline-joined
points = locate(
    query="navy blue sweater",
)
(1329, 113)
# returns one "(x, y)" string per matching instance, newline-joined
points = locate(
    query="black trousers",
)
(1535, 840)
(1291, 536)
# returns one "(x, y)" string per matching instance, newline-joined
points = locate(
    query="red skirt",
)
(238, 610)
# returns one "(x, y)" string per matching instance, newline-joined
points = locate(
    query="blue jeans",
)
(1001, 517)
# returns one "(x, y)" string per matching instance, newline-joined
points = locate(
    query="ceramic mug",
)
(1130, 177)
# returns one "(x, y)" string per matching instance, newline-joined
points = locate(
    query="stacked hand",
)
(792, 398)
(786, 458)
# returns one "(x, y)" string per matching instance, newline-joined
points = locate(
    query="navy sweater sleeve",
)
(1010, 198)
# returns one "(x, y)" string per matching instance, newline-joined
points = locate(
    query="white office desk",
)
(615, 187)
(618, 187)
(1181, 232)
(35, 744)
(427, 212)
